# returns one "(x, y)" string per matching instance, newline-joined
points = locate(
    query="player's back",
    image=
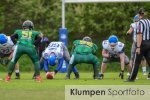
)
(84, 47)
(27, 37)
(55, 47)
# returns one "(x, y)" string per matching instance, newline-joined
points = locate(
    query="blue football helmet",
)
(52, 59)
(113, 39)
(136, 18)
(3, 38)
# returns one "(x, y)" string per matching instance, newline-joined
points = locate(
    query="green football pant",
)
(89, 59)
(18, 52)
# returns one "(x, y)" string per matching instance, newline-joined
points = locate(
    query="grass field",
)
(27, 89)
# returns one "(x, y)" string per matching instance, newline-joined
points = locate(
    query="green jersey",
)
(84, 47)
(26, 37)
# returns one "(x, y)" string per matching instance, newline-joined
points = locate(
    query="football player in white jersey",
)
(56, 53)
(113, 50)
(6, 50)
(133, 29)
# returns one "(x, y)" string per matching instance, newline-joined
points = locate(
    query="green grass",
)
(27, 89)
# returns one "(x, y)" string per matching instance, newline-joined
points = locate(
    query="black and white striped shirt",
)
(144, 28)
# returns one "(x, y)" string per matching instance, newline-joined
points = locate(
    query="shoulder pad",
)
(105, 44)
(10, 41)
(132, 24)
(76, 42)
(120, 46)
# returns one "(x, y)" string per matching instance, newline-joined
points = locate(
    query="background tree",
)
(97, 20)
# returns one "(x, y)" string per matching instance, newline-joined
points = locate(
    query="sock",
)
(17, 71)
(11, 68)
(37, 68)
(144, 69)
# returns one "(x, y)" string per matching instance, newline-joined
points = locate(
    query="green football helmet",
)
(28, 24)
(88, 39)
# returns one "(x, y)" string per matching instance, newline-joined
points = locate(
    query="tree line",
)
(97, 20)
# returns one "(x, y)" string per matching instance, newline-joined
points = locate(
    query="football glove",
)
(121, 75)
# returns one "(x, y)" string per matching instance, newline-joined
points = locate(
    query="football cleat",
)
(76, 76)
(38, 78)
(67, 78)
(17, 76)
(8, 78)
(99, 77)
(102, 76)
(128, 80)
(148, 76)
(121, 74)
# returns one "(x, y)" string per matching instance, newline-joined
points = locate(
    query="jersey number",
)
(54, 45)
(26, 34)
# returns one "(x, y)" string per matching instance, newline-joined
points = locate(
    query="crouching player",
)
(6, 50)
(113, 50)
(25, 40)
(56, 52)
(84, 52)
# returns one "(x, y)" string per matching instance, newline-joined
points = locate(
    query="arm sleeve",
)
(37, 40)
(46, 65)
(14, 37)
(95, 48)
(59, 65)
(122, 51)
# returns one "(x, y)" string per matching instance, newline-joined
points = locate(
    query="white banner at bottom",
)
(107, 92)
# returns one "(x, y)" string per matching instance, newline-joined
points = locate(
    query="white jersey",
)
(7, 48)
(113, 52)
(55, 47)
(135, 27)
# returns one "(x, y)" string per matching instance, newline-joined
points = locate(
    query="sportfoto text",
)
(107, 92)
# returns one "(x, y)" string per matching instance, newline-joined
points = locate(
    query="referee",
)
(142, 45)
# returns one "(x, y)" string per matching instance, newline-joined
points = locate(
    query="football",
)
(49, 75)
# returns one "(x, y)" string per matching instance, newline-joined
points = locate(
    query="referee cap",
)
(141, 11)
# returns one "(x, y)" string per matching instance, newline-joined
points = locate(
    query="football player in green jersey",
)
(25, 41)
(84, 52)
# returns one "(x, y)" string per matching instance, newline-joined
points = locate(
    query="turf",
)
(27, 89)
